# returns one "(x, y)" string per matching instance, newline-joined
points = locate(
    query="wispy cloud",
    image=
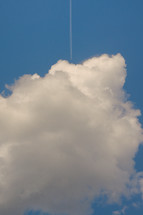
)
(116, 213)
(120, 212)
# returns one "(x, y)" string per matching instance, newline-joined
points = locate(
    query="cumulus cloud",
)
(67, 138)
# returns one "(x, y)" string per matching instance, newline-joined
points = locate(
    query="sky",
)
(71, 130)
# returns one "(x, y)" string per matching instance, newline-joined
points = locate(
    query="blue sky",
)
(35, 35)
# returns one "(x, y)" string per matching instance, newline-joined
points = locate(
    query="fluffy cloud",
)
(67, 138)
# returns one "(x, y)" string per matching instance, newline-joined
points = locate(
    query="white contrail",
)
(71, 29)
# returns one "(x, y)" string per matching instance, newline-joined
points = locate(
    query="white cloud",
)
(119, 212)
(116, 213)
(67, 138)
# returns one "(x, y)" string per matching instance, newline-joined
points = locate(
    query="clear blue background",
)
(34, 34)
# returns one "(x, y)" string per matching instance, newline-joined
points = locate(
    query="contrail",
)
(71, 29)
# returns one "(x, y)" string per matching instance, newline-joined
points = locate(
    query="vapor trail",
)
(71, 29)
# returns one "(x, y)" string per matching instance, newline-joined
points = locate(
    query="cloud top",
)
(67, 138)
